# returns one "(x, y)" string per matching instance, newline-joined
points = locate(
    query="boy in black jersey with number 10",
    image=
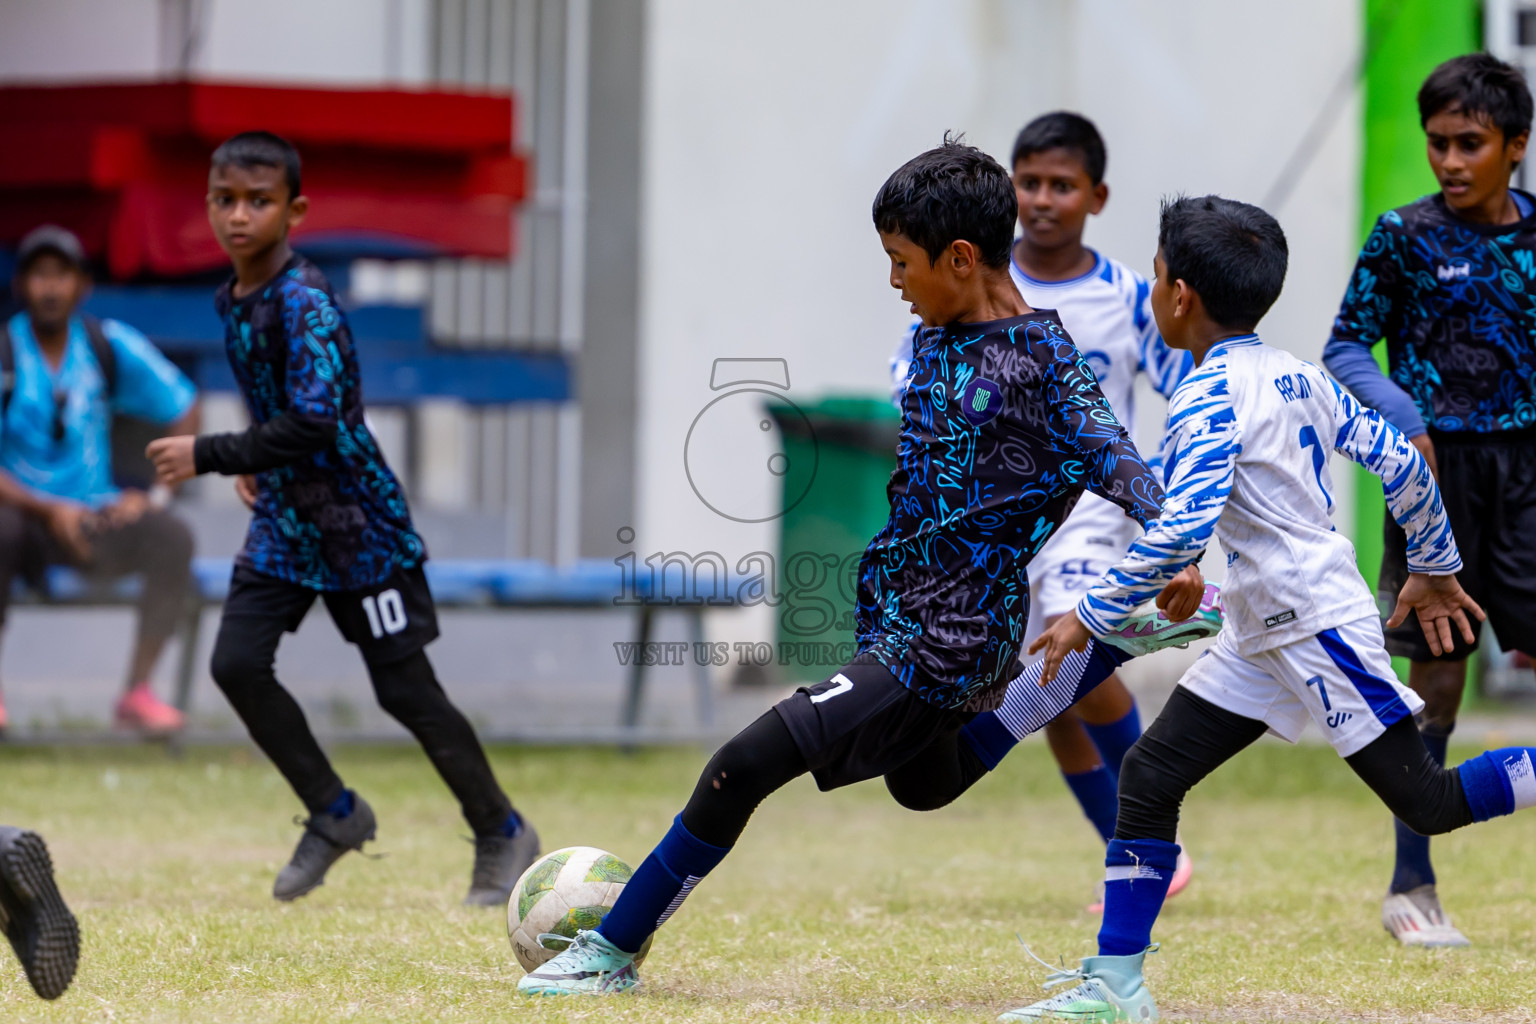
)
(330, 521)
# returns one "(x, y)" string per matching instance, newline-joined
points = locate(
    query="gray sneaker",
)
(1415, 918)
(33, 915)
(499, 862)
(326, 838)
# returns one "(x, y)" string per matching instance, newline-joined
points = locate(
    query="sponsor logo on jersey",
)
(981, 401)
(1456, 270)
(1289, 615)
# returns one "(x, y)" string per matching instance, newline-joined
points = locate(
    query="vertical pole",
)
(1406, 40)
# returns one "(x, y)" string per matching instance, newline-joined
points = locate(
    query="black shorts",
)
(388, 622)
(1489, 489)
(862, 723)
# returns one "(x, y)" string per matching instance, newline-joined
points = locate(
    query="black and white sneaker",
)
(43, 932)
(326, 838)
(499, 862)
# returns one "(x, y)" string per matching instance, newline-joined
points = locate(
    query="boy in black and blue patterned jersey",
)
(1003, 428)
(329, 520)
(1446, 282)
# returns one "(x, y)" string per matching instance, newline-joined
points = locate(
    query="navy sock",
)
(1095, 790)
(1413, 868)
(342, 805)
(1499, 782)
(989, 738)
(1136, 877)
(659, 886)
(513, 825)
(1113, 739)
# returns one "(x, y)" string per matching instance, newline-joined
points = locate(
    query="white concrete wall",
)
(52, 40)
(769, 127)
(361, 42)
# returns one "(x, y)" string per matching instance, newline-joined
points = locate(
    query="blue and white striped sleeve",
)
(901, 362)
(1204, 441)
(1165, 367)
(1365, 436)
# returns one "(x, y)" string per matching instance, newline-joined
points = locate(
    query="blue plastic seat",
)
(211, 577)
(463, 581)
(588, 582)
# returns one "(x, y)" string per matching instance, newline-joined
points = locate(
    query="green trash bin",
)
(825, 527)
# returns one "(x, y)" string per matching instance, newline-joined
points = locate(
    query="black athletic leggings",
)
(764, 757)
(407, 689)
(1193, 737)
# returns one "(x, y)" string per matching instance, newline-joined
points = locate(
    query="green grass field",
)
(837, 907)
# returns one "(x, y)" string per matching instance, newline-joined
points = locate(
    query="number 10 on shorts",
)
(386, 613)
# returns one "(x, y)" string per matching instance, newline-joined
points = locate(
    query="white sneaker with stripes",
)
(1415, 918)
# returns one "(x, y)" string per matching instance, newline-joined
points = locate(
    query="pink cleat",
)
(1183, 871)
(141, 710)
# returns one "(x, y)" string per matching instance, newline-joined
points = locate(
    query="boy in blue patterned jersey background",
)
(329, 520)
(1446, 282)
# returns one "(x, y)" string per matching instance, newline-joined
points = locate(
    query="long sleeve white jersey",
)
(1250, 431)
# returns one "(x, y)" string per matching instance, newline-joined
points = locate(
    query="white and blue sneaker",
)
(1148, 629)
(1109, 990)
(590, 966)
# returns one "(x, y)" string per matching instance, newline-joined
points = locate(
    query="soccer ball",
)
(563, 892)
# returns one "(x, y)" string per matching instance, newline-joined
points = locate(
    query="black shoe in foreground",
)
(499, 862)
(41, 929)
(326, 837)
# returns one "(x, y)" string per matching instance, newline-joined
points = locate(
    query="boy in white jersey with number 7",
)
(1249, 435)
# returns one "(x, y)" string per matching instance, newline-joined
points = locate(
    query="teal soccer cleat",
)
(1150, 630)
(590, 966)
(1110, 990)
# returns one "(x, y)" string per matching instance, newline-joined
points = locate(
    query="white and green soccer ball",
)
(563, 892)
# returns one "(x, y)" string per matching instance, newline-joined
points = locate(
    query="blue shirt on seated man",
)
(58, 502)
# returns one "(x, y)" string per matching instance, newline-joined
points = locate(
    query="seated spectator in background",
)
(70, 373)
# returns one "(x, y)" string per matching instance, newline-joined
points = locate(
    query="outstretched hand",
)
(1438, 600)
(172, 458)
(1182, 596)
(1065, 634)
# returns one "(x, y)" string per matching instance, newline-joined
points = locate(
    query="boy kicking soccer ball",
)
(1250, 432)
(329, 521)
(1058, 177)
(1003, 426)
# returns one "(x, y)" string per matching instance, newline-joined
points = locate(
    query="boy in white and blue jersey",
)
(1250, 431)
(1058, 178)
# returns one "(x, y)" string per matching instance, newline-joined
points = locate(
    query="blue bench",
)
(456, 583)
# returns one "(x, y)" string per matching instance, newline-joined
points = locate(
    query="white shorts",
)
(1095, 536)
(1341, 678)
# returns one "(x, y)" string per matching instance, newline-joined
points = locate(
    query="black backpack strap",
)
(7, 368)
(101, 348)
